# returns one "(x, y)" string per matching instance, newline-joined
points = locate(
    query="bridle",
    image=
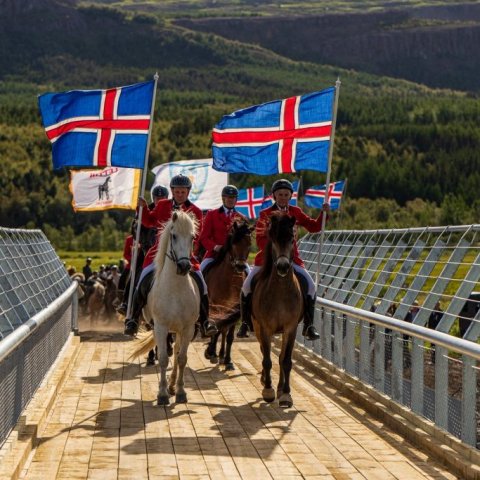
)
(171, 254)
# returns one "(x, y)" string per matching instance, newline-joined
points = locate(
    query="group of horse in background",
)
(172, 306)
(98, 295)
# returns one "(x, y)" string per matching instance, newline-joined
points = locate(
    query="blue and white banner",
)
(207, 183)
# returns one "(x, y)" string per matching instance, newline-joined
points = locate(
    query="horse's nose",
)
(240, 267)
(283, 266)
(183, 267)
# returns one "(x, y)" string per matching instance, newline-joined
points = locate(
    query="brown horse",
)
(277, 306)
(224, 278)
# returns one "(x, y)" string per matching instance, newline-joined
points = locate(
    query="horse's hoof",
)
(150, 362)
(171, 390)
(229, 367)
(207, 354)
(181, 398)
(163, 400)
(214, 359)
(268, 394)
(285, 401)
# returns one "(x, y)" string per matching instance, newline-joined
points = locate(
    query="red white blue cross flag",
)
(282, 136)
(315, 196)
(99, 128)
(250, 200)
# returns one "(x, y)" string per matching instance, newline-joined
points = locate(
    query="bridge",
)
(376, 397)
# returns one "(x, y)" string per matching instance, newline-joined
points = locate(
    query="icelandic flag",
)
(98, 128)
(315, 196)
(268, 200)
(282, 136)
(250, 201)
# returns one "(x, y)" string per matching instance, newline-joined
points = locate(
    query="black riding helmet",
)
(282, 183)
(230, 191)
(159, 191)
(181, 181)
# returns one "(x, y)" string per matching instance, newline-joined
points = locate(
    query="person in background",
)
(217, 224)
(433, 321)
(87, 268)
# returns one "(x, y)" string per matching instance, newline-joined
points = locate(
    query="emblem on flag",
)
(250, 201)
(282, 136)
(98, 128)
(315, 196)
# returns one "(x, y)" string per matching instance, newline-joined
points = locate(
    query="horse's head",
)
(181, 230)
(282, 237)
(240, 243)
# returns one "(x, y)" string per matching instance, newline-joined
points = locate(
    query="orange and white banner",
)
(112, 187)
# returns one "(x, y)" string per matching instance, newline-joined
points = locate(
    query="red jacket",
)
(128, 251)
(215, 229)
(159, 216)
(303, 220)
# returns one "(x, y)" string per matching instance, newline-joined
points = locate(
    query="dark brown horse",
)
(277, 306)
(224, 278)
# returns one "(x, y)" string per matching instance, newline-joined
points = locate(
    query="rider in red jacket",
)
(282, 191)
(217, 224)
(157, 217)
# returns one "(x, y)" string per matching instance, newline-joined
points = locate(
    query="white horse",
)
(173, 304)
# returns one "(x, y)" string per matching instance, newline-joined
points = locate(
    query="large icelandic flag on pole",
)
(282, 136)
(98, 128)
(315, 196)
(207, 183)
(268, 200)
(250, 201)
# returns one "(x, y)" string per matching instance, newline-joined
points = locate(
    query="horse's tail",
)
(143, 346)
(229, 319)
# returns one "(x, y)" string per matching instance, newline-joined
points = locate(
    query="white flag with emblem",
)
(207, 183)
(112, 187)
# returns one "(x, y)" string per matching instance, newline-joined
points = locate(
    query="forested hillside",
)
(411, 154)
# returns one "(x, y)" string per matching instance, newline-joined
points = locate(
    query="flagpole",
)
(136, 243)
(327, 185)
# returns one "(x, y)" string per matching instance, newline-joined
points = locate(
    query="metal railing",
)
(38, 308)
(398, 310)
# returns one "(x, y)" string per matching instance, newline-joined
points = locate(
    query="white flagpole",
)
(133, 267)
(327, 183)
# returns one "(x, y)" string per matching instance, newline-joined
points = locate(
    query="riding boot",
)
(246, 312)
(139, 301)
(309, 330)
(207, 326)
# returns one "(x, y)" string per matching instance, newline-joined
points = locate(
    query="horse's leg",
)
(268, 393)
(161, 339)
(281, 379)
(181, 396)
(228, 360)
(211, 350)
(173, 376)
(285, 399)
(221, 354)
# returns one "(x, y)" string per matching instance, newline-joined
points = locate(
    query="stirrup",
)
(310, 333)
(131, 328)
(209, 328)
(122, 309)
(243, 331)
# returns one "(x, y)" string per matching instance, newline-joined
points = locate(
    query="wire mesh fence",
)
(426, 277)
(37, 310)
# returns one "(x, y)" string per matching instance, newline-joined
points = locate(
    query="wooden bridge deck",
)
(105, 425)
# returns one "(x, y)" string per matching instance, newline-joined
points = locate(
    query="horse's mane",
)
(184, 224)
(234, 236)
(282, 232)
